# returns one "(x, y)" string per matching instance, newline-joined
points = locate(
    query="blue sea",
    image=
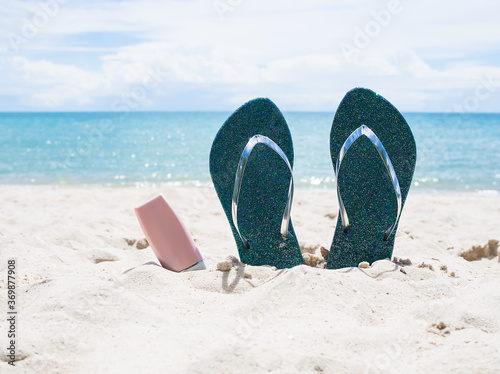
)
(456, 152)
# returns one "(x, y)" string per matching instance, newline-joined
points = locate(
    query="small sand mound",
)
(97, 256)
(402, 261)
(423, 265)
(224, 266)
(478, 252)
(142, 244)
(229, 263)
(309, 247)
(314, 261)
(130, 242)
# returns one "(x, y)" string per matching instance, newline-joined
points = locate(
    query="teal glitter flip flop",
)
(251, 167)
(373, 153)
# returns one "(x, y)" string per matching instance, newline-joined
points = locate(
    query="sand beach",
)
(88, 301)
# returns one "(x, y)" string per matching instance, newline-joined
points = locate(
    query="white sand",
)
(89, 303)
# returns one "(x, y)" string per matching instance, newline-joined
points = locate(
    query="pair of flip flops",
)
(373, 152)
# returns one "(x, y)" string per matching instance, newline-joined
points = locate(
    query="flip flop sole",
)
(364, 183)
(265, 184)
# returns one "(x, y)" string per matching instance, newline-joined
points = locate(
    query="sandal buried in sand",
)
(373, 153)
(251, 167)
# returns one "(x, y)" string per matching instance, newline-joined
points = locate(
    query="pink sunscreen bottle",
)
(167, 235)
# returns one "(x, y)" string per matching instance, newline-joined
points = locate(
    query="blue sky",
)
(75, 55)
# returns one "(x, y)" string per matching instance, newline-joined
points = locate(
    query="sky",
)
(199, 55)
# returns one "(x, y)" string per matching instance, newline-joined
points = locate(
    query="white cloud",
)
(50, 84)
(290, 51)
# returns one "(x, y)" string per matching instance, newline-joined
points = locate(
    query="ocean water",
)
(456, 152)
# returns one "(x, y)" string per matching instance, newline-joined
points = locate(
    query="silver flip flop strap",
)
(254, 140)
(366, 131)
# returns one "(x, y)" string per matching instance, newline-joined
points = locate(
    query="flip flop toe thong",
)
(251, 162)
(374, 154)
